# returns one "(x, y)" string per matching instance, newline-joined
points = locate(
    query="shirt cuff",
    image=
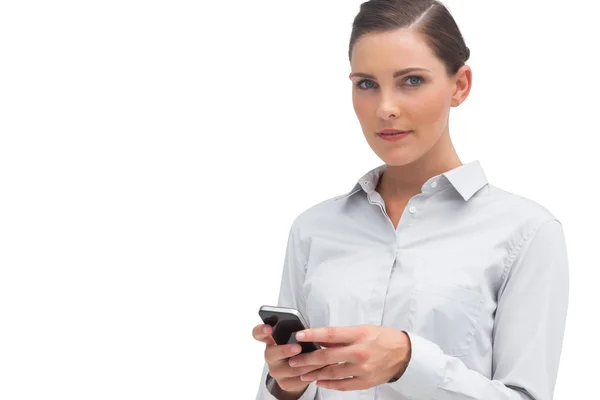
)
(309, 394)
(425, 370)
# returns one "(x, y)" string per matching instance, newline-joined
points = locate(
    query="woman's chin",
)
(398, 157)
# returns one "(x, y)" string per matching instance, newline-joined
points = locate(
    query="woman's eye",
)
(370, 85)
(414, 80)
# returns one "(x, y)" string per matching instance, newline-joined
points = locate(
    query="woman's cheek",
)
(363, 109)
(432, 109)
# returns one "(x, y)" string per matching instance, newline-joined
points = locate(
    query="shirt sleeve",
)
(290, 295)
(527, 338)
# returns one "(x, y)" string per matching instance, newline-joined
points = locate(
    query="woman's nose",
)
(388, 109)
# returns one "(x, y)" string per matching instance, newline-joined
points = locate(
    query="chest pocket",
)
(446, 315)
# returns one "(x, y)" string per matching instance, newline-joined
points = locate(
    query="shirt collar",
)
(466, 179)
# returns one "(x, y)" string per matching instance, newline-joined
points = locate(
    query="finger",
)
(281, 370)
(332, 334)
(329, 345)
(345, 385)
(326, 357)
(262, 333)
(278, 353)
(294, 386)
(338, 371)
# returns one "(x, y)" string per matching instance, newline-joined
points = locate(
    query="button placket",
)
(412, 210)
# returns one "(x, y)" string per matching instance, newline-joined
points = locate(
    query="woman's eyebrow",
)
(396, 74)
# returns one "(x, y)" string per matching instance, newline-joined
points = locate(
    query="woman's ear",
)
(463, 81)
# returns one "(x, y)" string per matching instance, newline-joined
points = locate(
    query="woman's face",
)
(418, 101)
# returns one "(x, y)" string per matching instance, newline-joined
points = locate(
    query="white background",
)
(153, 155)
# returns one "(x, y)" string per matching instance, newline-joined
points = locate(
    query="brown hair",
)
(429, 17)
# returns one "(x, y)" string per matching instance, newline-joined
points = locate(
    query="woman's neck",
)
(404, 181)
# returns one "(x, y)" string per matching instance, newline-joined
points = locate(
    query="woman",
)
(424, 281)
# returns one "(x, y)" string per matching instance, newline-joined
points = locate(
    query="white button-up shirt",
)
(477, 276)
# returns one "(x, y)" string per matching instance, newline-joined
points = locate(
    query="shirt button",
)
(412, 210)
(433, 184)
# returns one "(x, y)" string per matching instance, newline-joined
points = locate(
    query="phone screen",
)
(285, 325)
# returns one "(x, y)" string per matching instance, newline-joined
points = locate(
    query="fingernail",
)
(300, 335)
(266, 329)
(293, 362)
(295, 348)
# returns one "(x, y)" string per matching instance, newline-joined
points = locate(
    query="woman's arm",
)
(528, 333)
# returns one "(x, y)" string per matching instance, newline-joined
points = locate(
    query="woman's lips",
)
(393, 135)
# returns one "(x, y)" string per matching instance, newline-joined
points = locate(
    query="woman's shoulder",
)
(519, 207)
(323, 211)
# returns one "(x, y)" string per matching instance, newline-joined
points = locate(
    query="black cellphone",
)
(286, 322)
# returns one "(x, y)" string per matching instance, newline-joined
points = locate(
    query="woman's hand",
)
(359, 357)
(276, 356)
